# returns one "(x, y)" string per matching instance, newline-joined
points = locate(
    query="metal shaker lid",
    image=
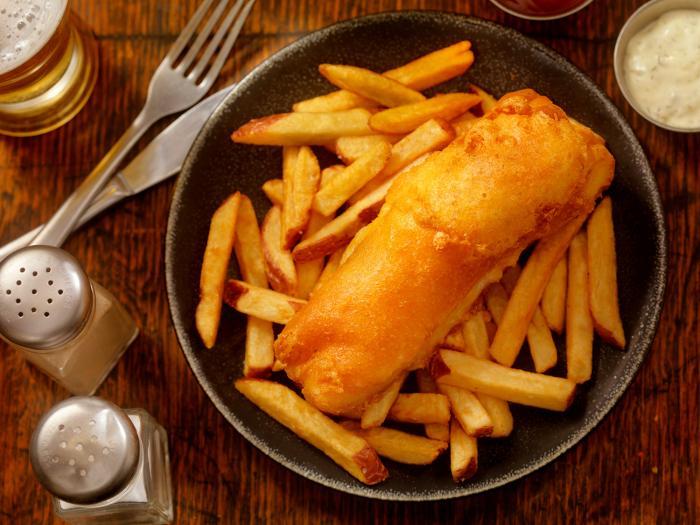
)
(84, 450)
(45, 297)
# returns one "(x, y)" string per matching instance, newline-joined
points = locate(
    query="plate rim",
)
(647, 334)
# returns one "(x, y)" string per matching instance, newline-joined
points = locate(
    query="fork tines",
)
(195, 62)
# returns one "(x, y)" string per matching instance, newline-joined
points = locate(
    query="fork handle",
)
(57, 229)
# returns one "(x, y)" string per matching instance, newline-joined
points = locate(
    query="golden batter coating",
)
(454, 221)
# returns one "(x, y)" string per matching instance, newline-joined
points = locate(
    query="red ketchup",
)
(541, 7)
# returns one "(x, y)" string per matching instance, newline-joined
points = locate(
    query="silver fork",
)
(172, 89)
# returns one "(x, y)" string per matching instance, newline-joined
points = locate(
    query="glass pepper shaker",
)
(103, 464)
(67, 325)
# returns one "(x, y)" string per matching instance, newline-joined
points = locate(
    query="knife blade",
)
(160, 160)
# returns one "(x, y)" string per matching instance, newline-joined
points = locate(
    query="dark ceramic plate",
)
(505, 61)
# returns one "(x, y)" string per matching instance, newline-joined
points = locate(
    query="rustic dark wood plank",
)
(639, 466)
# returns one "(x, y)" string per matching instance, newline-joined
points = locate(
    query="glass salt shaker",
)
(103, 464)
(67, 325)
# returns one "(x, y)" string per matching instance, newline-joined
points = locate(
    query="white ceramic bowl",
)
(640, 19)
(513, 12)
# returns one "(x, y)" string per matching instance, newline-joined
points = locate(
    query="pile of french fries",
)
(380, 125)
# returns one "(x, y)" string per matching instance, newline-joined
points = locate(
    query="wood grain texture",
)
(639, 466)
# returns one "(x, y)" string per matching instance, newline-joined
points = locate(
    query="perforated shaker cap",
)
(45, 297)
(84, 450)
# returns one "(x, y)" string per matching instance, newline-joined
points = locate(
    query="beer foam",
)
(25, 26)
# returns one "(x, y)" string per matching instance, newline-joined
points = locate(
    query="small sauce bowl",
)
(533, 15)
(640, 19)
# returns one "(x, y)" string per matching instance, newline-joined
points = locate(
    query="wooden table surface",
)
(639, 466)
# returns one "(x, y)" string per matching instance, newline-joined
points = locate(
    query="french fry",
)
(334, 194)
(303, 129)
(289, 164)
(420, 408)
(432, 135)
(342, 229)
(518, 386)
(261, 302)
(539, 337)
(222, 234)
(476, 337)
(259, 353)
(579, 323)
(464, 123)
(488, 101)
(354, 243)
(602, 272)
(329, 173)
(439, 431)
(554, 298)
(478, 346)
(538, 270)
(542, 347)
(345, 448)
(406, 118)
(434, 68)
(336, 101)
(399, 446)
(428, 137)
(426, 385)
(331, 266)
(301, 177)
(515, 320)
(496, 298)
(279, 263)
(309, 272)
(248, 245)
(277, 366)
(274, 190)
(454, 339)
(349, 149)
(499, 412)
(370, 85)
(422, 73)
(376, 412)
(468, 410)
(463, 453)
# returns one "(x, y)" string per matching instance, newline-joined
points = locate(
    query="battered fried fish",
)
(447, 229)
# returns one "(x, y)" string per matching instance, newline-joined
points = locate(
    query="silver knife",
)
(161, 159)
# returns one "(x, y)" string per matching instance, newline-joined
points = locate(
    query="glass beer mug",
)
(48, 65)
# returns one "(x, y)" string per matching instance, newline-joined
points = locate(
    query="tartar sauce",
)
(662, 68)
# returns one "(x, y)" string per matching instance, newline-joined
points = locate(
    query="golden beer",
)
(48, 65)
